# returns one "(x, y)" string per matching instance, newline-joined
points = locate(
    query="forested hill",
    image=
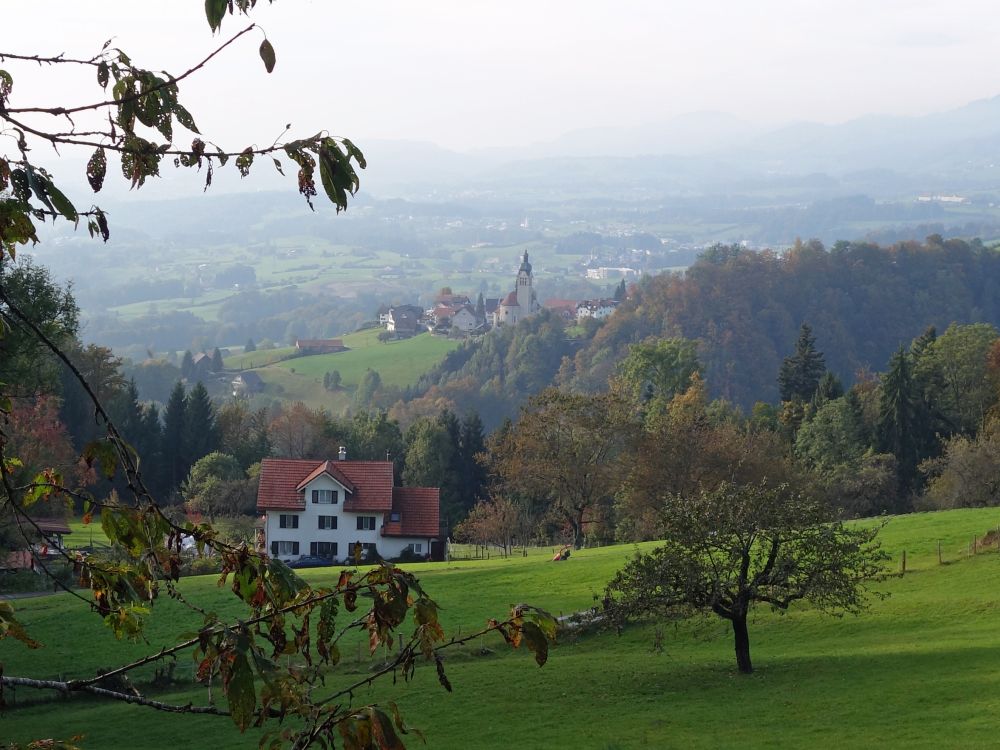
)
(745, 309)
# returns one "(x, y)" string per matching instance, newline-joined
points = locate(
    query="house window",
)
(326, 550)
(284, 548)
(327, 522)
(394, 516)
(325, 497)
(416, 548)
(288, 521)
(366, 523)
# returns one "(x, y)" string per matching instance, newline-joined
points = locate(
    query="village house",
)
(595, 308)
(246, 383)
(320, 346)
(404, 320)
(328, 508)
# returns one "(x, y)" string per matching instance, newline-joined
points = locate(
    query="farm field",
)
(920, 669)
(398, 363)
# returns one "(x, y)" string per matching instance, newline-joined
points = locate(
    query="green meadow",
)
(919, 669)
(398, 363)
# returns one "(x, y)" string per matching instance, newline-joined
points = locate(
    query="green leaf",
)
(354, 151)
(102, 74)
(6, 84)
(238, 679)
(534, 638)
(215, 11)
(184, 118)
(11, 628)
(97, 168)
(61, 202)
(267, 55)
(103, 452)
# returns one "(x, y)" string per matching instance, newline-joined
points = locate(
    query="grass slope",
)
(920, 669)
(398, 363)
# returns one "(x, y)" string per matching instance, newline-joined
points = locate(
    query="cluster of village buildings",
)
(459, 314)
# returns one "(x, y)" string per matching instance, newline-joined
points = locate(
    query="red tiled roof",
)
(327, 467)
(560, 304)
(370, 483)
(419, 512)
(510, 300)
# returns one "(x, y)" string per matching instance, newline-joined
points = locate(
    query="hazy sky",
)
(471, 73)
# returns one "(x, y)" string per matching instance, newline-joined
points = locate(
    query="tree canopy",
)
(738, 546)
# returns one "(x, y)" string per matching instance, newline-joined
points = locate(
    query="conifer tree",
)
(899, 423)
(201, 436)
(250, 346)
(174, 432)
(187, 366)
(217, 364)
(800, 373)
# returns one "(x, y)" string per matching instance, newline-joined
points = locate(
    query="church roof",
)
(525, 265)
(510, 300)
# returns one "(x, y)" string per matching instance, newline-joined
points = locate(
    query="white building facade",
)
(328, 508)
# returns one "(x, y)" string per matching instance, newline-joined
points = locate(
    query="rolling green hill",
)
(920, 669)
(398, 363)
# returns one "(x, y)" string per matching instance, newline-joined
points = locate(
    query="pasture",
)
(920, 669)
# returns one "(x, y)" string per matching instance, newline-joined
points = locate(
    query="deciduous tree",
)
(564, 449)
(738, 546)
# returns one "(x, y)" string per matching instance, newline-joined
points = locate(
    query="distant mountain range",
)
(705, 152)
(702, 154)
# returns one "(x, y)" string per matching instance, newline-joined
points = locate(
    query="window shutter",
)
(274, 548)
(295, 522)
(334, 522)
(295, 548)
(312, 548)
(315, 496)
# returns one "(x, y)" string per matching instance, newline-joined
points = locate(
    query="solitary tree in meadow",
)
(740, 546)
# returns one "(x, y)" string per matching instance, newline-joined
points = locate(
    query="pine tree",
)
(187, 366)
(898, 420)
(473, 474)
(480, 308)
(174, 432)
(250, 346)
(620, 291)
(217, 364)
(201, 436)
(800, 373)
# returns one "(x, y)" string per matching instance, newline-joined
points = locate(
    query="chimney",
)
(342, 454)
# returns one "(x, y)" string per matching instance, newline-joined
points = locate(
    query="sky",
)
(469, 74)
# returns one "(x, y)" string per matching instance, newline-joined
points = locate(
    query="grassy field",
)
(920, 669)
(398, 363)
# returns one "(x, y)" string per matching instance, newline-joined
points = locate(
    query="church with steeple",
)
(520, 303)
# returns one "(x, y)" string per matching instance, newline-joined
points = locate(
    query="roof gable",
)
(283, 479)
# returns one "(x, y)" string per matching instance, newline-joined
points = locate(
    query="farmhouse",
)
(328, 508)
(320, 346)
(247, 382)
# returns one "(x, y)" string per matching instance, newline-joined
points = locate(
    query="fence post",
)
(904, 561)
(939, 551)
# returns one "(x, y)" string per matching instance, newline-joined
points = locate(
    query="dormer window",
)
(324, 497)
(395, 516)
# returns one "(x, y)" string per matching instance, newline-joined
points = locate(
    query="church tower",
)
(525, 294)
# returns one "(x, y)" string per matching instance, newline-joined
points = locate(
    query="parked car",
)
(310, 561)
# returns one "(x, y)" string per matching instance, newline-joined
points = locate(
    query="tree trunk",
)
(577, 525)
(742, 638)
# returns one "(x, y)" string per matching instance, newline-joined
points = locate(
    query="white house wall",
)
(345, 534)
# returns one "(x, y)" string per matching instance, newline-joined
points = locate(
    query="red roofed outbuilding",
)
(326, 508)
